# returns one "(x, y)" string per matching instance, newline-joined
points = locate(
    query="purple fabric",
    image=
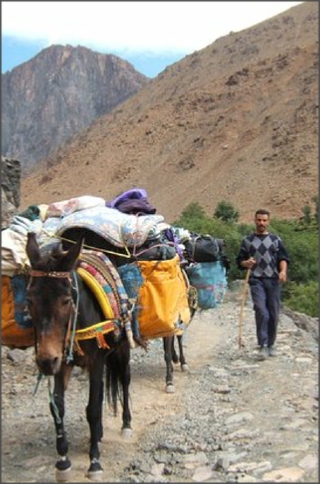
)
(173, 238)
(135, 193)
(133, 201)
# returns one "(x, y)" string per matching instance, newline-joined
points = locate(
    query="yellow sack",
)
(163, 307)
(12, 334)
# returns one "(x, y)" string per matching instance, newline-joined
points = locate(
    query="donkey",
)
(62, 308)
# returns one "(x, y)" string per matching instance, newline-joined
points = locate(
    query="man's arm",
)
(284, 261)
(243, 260)
(283, 266)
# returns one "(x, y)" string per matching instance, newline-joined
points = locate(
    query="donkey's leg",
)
(101, 399)
(63, 464)
(183, 363)
(94, 416)
(167, 345)
(125, 378)
(175, 357)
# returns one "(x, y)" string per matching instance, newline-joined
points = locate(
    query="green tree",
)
(193, 210)
(225, 211)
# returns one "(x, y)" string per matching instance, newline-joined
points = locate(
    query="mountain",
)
(235, 121)
(58, 93)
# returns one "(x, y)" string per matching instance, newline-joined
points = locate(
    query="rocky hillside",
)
(236, 121)
(58, 93)
(10, 190)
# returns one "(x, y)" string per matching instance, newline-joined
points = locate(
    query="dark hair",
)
(262, 211)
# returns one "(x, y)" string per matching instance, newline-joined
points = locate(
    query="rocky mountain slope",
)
(235, 121)
(58, 93)
(10, 190)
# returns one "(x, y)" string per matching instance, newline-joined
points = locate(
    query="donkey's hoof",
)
(126, 433)
(63, 475)
(95, 475)
(170, 388)
(184, 367)
(63, 468)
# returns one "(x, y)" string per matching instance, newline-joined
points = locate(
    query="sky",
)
(151, 35)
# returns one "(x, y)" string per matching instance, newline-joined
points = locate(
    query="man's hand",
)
(249, 263)
(283, 276)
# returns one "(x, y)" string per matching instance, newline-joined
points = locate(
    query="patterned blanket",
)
(120, 229)
(104, 281)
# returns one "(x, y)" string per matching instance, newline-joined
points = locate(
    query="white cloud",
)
(134, 27)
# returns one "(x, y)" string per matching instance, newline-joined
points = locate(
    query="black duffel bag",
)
(204, 248)
(155, 250)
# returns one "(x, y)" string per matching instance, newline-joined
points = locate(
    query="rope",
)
(39, 378)
(51, 397)
(53, 403)
(127, 255)
(73, 332)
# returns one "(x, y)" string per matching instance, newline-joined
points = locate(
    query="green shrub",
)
(225, 211)
(304, 298)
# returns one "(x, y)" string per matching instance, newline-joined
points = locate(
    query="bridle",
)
(71, 328)
(62, 275)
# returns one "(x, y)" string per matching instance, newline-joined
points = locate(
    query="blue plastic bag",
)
(210, 281)
(131, 279)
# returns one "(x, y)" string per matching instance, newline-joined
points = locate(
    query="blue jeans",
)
(265, 295)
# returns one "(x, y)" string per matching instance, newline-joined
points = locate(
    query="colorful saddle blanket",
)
(102, 278)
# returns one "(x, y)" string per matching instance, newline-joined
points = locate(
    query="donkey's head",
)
(50, 303)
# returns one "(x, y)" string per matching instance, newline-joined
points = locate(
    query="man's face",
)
(262, 222)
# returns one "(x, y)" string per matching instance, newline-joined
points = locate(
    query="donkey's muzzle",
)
(49, 366)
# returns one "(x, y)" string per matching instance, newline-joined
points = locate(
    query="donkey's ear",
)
(32, 249)
(72, 254)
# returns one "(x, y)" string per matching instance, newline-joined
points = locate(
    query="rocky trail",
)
(232, 418)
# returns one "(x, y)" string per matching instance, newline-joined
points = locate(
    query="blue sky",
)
(150, 35)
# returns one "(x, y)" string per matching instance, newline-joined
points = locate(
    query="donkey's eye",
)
(66, 300)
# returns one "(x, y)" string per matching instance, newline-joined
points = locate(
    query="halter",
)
(71, 325)
(62, 275)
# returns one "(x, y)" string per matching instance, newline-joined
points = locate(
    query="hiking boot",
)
(263, 353)
(272, 351)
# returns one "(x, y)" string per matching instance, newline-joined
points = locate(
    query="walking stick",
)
(244, 296)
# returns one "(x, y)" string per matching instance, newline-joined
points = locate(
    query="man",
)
(264, 254)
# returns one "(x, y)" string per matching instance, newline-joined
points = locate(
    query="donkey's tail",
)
(117, 375)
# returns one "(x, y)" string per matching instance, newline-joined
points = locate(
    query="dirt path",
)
(27, 431)
(228, 404)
